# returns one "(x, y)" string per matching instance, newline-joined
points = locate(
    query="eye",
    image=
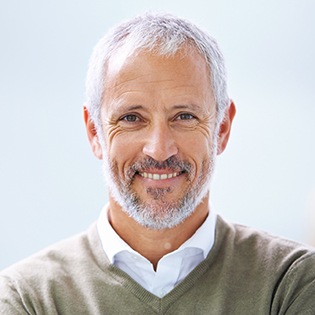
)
(130, 118)
(185, 116)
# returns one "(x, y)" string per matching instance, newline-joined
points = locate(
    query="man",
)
(157, 114)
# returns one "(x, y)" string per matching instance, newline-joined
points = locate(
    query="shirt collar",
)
(203, 238)
(113, 244)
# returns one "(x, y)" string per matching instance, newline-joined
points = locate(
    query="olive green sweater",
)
(246, 272)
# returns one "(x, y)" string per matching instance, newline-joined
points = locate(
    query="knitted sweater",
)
(246, 272)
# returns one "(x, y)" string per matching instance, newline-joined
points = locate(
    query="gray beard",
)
(158, 213)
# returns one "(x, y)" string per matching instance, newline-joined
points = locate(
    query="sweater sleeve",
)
(295, 293)
(10, 300)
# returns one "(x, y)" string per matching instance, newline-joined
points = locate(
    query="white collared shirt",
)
(171, 269)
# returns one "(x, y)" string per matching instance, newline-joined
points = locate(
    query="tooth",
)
(158, 176)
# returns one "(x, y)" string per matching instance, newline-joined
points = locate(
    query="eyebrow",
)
(176, 107)
(189, 106)
(127, 108)
(134, 107)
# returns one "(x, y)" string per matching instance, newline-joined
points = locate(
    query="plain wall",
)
(51, 184)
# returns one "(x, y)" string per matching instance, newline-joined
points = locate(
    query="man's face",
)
(158, 121)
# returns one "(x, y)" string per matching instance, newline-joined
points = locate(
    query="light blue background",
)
(51, 185)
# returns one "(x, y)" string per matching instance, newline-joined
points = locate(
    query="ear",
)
(92, 134)
(225, 127)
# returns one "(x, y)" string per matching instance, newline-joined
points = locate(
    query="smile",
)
(158, 176)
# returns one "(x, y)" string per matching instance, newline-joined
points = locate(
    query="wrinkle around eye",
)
(112, 131)
(120, 126)
(186, 121)
(208, 125)
(205, 125)
(206, 130)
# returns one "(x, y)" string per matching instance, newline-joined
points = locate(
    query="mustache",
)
(171, 164)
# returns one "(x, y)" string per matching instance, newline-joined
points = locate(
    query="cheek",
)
(122, 149)
(198, 151)
(196, 145)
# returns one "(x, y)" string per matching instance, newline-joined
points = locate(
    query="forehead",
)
(126, 59)
(148, 74)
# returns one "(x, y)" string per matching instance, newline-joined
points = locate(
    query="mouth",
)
(155, 176)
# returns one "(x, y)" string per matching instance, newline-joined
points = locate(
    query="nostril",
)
(160, 150)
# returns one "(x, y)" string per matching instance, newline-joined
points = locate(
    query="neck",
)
(154, 244)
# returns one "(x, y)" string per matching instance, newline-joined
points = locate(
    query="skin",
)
(158, 107)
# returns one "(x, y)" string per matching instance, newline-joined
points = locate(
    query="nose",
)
(160, 143)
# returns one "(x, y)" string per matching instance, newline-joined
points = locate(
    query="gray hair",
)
(162, 34)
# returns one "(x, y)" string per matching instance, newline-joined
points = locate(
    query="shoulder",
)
(62, 253)
(282, 270)
(250, 241)
(259, 254)
(51, 268)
